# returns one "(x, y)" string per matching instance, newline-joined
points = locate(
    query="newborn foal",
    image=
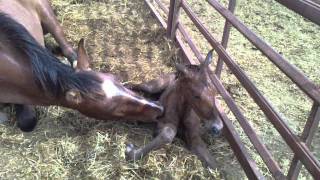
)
(187, 96)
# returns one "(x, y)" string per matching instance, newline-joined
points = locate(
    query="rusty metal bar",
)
(248, 164)
(300, 149)
(193, 47)
(306, 8)
(184, 33)
(155, 12)
(308, 87)
(173, 18)
(302, 152)
(170, 17)
(184, 50)
(162, 6)
(225, 36)
(308, 133)
(259, 146)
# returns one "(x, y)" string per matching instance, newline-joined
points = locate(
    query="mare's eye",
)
(197, 97)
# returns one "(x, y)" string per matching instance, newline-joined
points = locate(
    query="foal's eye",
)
(197, 97)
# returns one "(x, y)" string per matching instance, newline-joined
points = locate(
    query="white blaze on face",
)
(111, 90)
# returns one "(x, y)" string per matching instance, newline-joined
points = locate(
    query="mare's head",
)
(200, 93)
(110, 99)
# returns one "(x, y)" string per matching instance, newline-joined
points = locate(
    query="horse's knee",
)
(26, 118)
(168, 134)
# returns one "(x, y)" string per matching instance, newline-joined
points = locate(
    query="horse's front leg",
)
(154, 86)
(194, 141)
(52, 26)
(166, 136)
(26, 117)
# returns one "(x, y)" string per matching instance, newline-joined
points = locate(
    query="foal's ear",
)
(181, 68)
(73, 96)
(83, 59)
(208, 60)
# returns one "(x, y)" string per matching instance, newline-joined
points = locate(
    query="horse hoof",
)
(27, 125)
(3, 118)
(130, 152)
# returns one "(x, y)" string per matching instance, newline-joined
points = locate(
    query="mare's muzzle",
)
(155, 108)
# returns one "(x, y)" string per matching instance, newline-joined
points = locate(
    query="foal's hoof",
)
(131, 152)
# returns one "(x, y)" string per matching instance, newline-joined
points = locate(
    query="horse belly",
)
(24, 15)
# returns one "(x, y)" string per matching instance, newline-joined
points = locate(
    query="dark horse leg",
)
(154, 86)
(194, 141)
(166, 135)
(51, 25)
(26, 117)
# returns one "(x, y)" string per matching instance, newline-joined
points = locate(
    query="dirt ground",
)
(122, 38)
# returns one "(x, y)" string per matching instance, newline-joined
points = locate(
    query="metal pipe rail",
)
(291, 139)
(305, 8)
(298, 146)
(291, 71)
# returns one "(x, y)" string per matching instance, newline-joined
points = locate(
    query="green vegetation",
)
(123, 38)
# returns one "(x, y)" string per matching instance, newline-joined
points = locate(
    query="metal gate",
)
(298, 144)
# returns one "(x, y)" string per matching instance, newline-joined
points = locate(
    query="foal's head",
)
(111, 99)
(200, 93)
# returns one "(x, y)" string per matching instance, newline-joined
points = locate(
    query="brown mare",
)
(187, 97)
(31, 75)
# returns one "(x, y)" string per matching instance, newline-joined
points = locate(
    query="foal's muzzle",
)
(215, 127)
(215, 131)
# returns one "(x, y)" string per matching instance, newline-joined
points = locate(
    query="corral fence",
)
(299, 144)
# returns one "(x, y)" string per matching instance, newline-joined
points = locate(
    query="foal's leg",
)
(50, 24)
(26, 117)
(154, 86)
(166, 135)
(194, 140)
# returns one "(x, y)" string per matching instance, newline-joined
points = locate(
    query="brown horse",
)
(31, 75)
(187, 96)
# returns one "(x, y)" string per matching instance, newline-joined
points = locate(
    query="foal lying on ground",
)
(186, 96)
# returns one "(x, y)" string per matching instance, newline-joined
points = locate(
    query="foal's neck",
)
(181, 97)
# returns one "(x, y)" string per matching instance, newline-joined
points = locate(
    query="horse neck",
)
(17, 82)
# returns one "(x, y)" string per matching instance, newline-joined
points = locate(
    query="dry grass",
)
(123, 38)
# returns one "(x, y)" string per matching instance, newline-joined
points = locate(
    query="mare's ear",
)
(73, 96)
(181, 68)
(83, 59)
(207, 61)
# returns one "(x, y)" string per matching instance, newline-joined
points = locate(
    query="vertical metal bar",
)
(307, 135)
(170, 17)
(225, 37)
(175, 19)
(156, 14)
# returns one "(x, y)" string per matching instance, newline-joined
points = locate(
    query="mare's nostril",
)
(159, 106)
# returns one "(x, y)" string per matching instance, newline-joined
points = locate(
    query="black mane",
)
(50, 74)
